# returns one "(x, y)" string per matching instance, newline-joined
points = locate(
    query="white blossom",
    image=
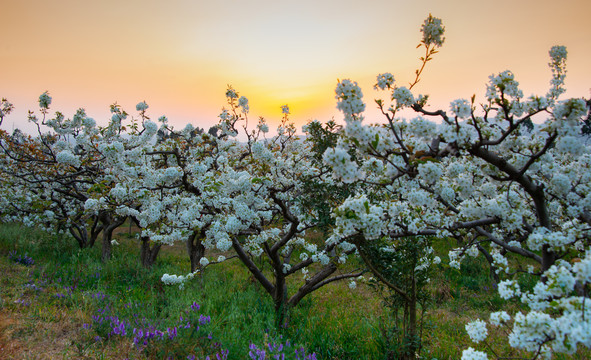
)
(471, 354)
(499, 317)
(68, 158)
(384, 81)
(461, 108)
(433, 30)
(44, 100)
(403, 97)
(477, 330)
(203, 261)
(142, 106)
(349, 97)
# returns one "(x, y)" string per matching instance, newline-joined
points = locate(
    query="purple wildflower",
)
(23, 302)
(204, 319)
(21, 259)
(195, 306)
(119, 328)
(172, 333)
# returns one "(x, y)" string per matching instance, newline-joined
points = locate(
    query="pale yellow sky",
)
(179, 56)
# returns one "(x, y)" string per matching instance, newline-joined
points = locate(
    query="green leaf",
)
(376, 141)
(350, 214)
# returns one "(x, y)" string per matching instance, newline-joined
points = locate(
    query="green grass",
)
(47, 304)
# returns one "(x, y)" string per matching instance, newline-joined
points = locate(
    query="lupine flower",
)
(21, 259)
(22, 302)
(204, 319)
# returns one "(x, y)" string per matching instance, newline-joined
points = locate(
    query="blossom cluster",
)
(349, 98)
(433, 31)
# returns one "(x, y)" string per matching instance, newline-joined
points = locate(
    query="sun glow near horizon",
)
(180, 57)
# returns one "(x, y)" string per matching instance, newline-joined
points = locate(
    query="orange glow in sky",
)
(179, 56)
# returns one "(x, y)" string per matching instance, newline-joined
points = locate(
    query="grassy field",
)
(60, 302)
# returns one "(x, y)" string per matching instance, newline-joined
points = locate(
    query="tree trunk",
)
(107, 249)
(410, 340)
(109, 225)
(280, 300)
(95, 230)
(195, 249)
(412, 329)
(80, 232)
(81, 236)
(548, 258)
(148, 255)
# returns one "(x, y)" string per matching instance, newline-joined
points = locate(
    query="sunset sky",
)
(179, 56)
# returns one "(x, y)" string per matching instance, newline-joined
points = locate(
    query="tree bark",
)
(148, 254)
(81, 236)
(107, 249)
(195, 249)
(109, 225)
(411, 336)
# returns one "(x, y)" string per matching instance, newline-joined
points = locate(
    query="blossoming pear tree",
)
(123, 190)
(46, 181)
(249, 198)
(488, 176)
